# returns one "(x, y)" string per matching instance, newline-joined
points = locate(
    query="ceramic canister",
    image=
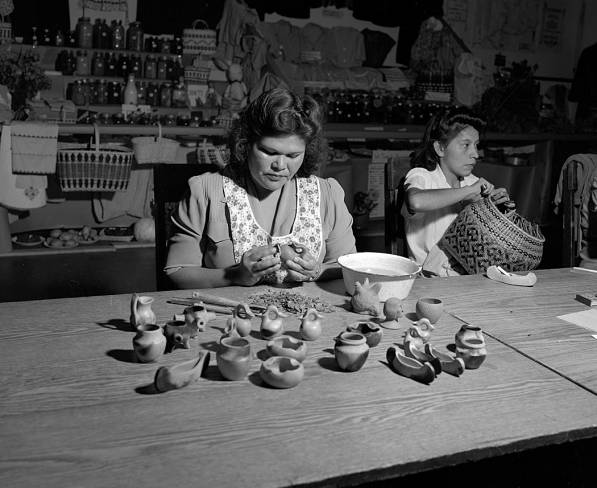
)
(149, 343)
(351, 351)
(234, 357)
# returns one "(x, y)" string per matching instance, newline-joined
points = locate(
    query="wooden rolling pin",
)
(210, 307)
(216, 300)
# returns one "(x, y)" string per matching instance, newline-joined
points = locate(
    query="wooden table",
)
(75, 410)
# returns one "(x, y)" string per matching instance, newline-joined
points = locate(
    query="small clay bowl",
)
(372, 332)
(282, 372)
(430, 309)
(288, 347)
(410, 367)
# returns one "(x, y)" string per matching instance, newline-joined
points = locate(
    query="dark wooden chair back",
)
(395, 237)
(170, 183)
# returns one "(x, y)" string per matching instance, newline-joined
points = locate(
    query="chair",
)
(394, 174)
(170, 182)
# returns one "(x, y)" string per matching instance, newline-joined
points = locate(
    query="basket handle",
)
(203, 23)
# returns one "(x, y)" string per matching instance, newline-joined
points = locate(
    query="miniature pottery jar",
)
(372, 332)
(178, 334)
(282, 372)
(288, 347)
(472, 351)
(351, 351)
(242, 319)
(141, 312)
(181, 374)
(234, 357)
(430, 309)
(149, 343)
(468, 332)
(310, 328)
(272, 324)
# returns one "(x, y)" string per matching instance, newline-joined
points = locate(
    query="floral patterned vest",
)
(247, 233)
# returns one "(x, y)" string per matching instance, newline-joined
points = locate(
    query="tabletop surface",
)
(76, 410)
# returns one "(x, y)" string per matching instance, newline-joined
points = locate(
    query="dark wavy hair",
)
(279, 112)
(443, 127)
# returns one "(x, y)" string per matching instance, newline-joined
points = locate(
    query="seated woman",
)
(232, 226)
(440, 184)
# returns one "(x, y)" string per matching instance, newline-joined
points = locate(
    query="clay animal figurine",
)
(418, 334)
(178, 334)
(196, 316)
(366, 298)
(272, 322)
(310, 328)
(181, 374)
(240, 322)
(141, 312)
(392, 311)
(409, 367)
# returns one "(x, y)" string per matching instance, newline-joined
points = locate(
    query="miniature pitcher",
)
(272, 322)
(310, 328)
(141, 312)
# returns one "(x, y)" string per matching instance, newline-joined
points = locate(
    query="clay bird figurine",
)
(366, 298)
(241, 320)
(272, 322)
(418, 334)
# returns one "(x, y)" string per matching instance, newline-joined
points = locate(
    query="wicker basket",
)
(199, 41)
(149, 150)
(482, 236)
(105, 167)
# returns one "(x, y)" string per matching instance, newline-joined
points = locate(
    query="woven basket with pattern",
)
(482, 236)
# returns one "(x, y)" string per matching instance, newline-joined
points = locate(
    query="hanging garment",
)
(135, 201)
(247, 233)
(10, 195)
(105, 5)
(231, 27)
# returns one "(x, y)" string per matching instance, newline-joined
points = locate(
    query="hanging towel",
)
(135, 201)
(10, 195)
(34, 147)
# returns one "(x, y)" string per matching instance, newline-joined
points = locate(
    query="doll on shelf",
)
(236, 93)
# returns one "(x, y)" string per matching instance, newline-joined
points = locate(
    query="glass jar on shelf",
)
(150, 67)
(102, 92)
(179, 94)
(151, 94)
(97, 64)
(82, 64)
(162, 68)
(110, 64)
(134, 37)
(117, 35)
(78, 95)
(166, 95)
(84, 33)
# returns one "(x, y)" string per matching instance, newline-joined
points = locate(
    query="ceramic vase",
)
(468, 332)
(282, 372)
(141, 312)
(234, 357)
(430, 309)
(472, 351)
(310, 328)
(149, 343)
(272, 322)
(351, 351)
(372, 332)
(178, 334)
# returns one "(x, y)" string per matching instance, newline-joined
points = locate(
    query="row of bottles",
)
(100, 35)
(194, 119)
(101, 92)
(109, 63)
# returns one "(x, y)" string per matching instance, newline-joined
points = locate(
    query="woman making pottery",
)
(440, 184)
(266, 217)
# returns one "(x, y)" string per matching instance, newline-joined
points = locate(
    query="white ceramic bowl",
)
(395, 273)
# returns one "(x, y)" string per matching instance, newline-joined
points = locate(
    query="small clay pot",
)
(372, 332)
(472, 351)
(272, 322)
(310, 328)
(430, 309)
(234, 357)
(149, 343)
(282, 372)
(468, 332)
(351, 351)
(288, 347)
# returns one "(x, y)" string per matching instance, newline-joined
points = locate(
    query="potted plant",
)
(363, 203)
(22, 74)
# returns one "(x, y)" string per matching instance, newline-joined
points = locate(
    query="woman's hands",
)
(482, 188)
(257, 263)
(301, 266)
